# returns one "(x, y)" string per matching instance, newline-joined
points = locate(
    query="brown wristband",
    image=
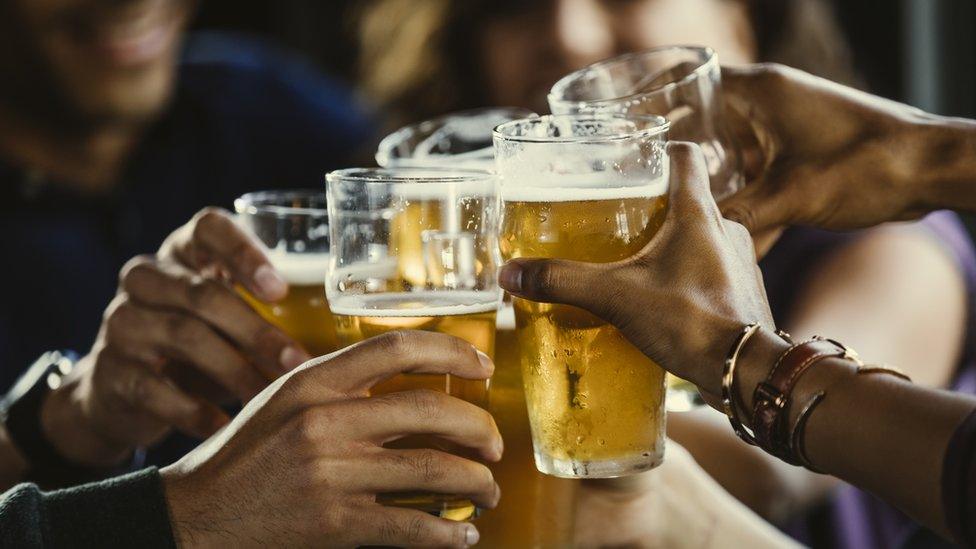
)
(772, 397)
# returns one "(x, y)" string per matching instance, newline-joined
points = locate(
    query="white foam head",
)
(578, 187)
(416, 304)
(301, 269)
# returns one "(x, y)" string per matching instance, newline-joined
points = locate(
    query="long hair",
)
(418, 57)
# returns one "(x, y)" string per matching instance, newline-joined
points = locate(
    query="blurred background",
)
(921, 52)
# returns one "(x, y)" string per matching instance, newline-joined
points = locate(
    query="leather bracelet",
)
(772, 397)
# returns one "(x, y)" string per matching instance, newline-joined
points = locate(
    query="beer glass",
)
(416, 249)
(456, 140)
(588, 188)
(681, 83)
(537, 510)
(294, 227)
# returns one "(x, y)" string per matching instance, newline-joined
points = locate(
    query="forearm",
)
(773, 489)
(12, 463)
(945, 166)
(123, 511)
(875, 431)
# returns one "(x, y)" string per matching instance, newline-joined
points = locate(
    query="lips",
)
(132, 39)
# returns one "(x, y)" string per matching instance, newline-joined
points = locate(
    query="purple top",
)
(856, 519)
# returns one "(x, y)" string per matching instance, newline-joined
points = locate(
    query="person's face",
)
(93, 60)
(525, 53)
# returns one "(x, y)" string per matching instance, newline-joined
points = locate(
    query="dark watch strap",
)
(20, 411)
(772, 397)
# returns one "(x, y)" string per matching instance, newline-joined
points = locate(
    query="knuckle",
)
(741, 215)
(416, 530)
(307, 425)
(772, 72)
(120, 317)
(428, 466)
(136, 271)
(389, 529)
(184, 332)
(203, 294)
(208, 219)
(399, 343)
(544, 279)
(427, 404)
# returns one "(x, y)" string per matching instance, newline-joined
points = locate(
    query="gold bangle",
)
(797, 443)
(728, 382)
(867, 369)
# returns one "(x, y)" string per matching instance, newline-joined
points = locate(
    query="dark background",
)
(918, 51)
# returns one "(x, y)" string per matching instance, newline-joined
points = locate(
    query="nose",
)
(583, 33)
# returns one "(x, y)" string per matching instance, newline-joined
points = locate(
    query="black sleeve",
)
(126, 511)
(959, 483)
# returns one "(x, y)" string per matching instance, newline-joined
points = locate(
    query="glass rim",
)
(405, 174)
(659, 125)
(251, 203)
(709, 54)
(388, 144)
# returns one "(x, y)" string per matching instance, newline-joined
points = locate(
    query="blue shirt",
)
(244, 117)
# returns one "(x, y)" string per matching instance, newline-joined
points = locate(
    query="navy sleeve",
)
(959, 483)
(127, 511)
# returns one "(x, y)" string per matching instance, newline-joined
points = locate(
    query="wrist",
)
(942, 173)
(189, 524)
(67, 427)
(755, 362)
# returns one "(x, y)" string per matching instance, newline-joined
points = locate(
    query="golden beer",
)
(536, 510)
(596, 403)
(304, 313)
(461, 314)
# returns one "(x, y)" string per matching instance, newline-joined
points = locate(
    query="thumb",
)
(757, 208)
(557, 281)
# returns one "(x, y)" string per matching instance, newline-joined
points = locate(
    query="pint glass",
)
(455, 140)
(588, 188)
(537, 510)
(416, 249)
(294, 227)
(681, 83)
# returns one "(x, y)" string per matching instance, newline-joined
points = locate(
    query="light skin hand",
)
(176, 343)
(304, 460)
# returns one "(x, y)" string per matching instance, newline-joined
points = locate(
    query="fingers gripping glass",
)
(680, 83)
(294, 228)
(416, 249)
(587, 188)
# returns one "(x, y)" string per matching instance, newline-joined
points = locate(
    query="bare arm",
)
(894, 295)
(875, 431)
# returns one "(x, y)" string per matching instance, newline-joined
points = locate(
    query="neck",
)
(90, 159)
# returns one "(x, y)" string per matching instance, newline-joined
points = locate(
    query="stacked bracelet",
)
(773, 397)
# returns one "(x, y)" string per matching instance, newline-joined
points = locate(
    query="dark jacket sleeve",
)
(959, 483)
(126, 511)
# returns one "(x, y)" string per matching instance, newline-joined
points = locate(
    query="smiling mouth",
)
(131, 40)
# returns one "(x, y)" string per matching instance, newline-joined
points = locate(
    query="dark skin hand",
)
(688, 293)
(302, 463)
(818, 153)
(176, 343)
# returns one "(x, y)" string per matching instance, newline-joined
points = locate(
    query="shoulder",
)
(246, 78)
